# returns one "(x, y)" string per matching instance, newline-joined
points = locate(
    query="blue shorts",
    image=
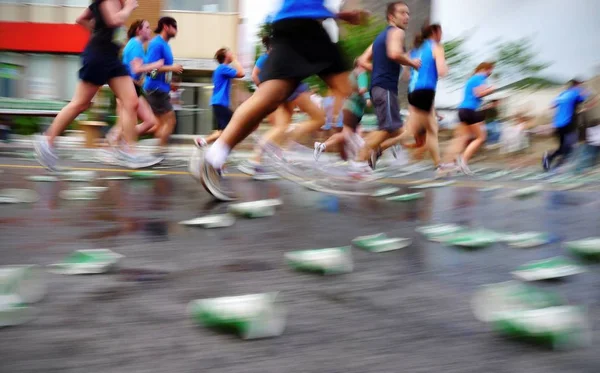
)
(99, 70)
(303, 87)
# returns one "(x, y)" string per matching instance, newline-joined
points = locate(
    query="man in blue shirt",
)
(301, 48)
(158, 83)
(565, 122)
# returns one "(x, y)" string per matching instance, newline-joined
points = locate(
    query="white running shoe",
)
(460, 162)
(44, 153)
(319, 148)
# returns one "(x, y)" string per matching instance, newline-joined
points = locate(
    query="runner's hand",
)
(416, 64)
(177, 68)
(131, 4)
(369, 103)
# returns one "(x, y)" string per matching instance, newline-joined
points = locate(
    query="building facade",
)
(40, 44)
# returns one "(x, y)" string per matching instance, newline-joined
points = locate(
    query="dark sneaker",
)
(212, 181)
(374, 157)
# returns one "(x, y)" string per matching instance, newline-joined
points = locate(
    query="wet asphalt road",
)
(402, 311)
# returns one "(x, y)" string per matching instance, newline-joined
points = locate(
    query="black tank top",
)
(105, 40)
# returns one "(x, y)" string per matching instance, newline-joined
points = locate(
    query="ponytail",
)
(426, 32)
(134, 28)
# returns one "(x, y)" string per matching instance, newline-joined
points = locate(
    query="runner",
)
(422, 88)
(301, 48)
(133, 57)
(565, 124)
(158, 84)
(471, 121)
(354, 108)
(387, 54)
(100, 65)
(229, 68)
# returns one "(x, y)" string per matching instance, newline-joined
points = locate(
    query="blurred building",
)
(40, 44)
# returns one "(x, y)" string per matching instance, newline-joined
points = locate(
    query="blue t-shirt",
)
(159, 49)
(566, 105)
(222, 82)
(386, 73)
(471, 101)
(134, 49)
(427, 76)
(311, 9)
(260, 63)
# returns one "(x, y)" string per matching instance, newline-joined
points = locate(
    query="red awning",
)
(42, 37)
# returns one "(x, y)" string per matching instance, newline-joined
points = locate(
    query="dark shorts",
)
(302, 48)
(422, 99)
(469, 117)
(387, 109)
(350, 119)
(99, 70)
(159, 101)
(222, 115)
(303, 87)
(139, 90)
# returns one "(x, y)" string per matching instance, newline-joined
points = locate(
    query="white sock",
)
(217, 153)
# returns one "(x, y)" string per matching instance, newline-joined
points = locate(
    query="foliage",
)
(26, 125)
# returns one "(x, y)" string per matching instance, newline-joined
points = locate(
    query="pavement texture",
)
(402, 311)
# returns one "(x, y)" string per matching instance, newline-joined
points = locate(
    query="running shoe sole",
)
(213, 190)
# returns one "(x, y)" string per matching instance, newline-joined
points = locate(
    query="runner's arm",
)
(86, 19)
(440, 60)
(114, 14)
(484, 90)
(353, 17)
(364, 60)
(238, 67)
(255, 73)
(138, 66)
(395, 49)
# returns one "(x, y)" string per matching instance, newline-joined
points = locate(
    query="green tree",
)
(458, 60)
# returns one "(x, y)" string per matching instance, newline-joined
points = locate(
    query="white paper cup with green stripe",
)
(588, 248)
(255, 209)
(87, 262)
(438, 232)
(25, 281)
(211, 221)
(13, 311)
(328, 261)
(547, 269)
(380, 242)
(250, 316)
(406, 197)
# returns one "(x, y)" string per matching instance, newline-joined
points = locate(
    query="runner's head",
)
(397, 14)
(141, 28)
(223, 56)
(575, 82)
(484, 68)
(266, 42)
(167, 27)
(433, 32)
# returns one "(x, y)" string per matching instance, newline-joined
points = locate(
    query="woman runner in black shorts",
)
(100, 65)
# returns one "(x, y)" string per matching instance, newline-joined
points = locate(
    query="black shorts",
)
(422, 99)
(469, 117)
(98, 69)
(138, 90)
(387, 109)
(222, 115)
(302, 48)
(159, 101)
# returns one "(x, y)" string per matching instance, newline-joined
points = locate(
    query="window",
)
(212, 6)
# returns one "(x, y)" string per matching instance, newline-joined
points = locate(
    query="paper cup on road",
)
(588, 248)
(18, 196)
(195, 163)
(42, 178)
(13, 311)
(433, 185)
(250, 316)
(547, 269)
(25, 281)
(405, 197)
(83, 262)
(527, 192)
(328, 261)
(78, 194)
(438, 232)
(385, 192)
(256, 209)
(145, 175)
(211, 221)
(79, 176)
(379, 243)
